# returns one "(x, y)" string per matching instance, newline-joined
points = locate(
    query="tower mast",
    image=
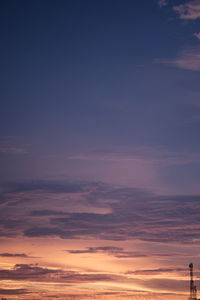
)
(193, 288)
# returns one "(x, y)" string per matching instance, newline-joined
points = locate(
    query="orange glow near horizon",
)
(51, 270)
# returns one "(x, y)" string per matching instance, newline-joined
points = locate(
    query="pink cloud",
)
(197, 35)
(188, 11)
(162, 3)
(188, 60)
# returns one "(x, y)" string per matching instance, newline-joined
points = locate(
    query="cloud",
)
(189, 60)
(146, 154)
(46, 212)
(121, 253)
(78, 278)
(32, 272)
(167, 285)
(48, 231)
(110, 250)
(162, 3)
(25, 271)
(197, 35)
(135, 216)
(97, 250)
(156, 271)
(23, 255)
(12, 145)
(188, 11)
(115, 214)
(48, 187)
(10, 226)
(14, 291)
(35, 273)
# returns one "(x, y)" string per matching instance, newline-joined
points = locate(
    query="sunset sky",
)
(99, 149)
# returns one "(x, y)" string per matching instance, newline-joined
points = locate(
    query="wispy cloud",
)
(188, 11)
(23, 255)
(12, 145)
(121, 253)
(162, 3)
(97, 250)
(156, 271)
(110, 250)
(197, 35)
(146, 154)
(189, 60)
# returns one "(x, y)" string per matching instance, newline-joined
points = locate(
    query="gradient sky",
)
(99, 149)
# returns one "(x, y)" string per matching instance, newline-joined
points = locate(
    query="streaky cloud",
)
(23, 255)
(32, 272)
(156, 271)
(189, 59)
(126, 214)
(14, 291)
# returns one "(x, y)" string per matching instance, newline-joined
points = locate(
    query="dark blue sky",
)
(98, 76)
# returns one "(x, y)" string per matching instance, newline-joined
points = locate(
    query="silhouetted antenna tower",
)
(193, 288)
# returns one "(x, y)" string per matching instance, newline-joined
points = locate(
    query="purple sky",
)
(99, 143)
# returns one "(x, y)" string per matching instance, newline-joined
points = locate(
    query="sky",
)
(99, 149)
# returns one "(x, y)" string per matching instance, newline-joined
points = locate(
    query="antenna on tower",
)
(193, 288)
